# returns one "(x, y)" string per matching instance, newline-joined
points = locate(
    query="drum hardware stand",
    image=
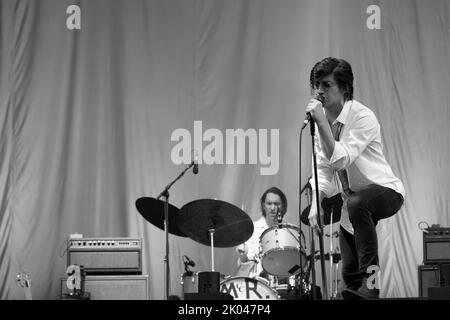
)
(334, 268)
(165, 194)
(335, 279)
(211, 234)
(319, 216)
(209, 282)
(334, 263)
(312, 258)
(331, 256)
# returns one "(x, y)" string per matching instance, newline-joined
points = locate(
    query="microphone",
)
(308, 117)
(280, 218)
(307, 120)
(188, 261)
(195, 170)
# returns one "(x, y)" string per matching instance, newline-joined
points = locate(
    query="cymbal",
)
(153, 211)
(232, 225)
(329, 205)
(305, 214)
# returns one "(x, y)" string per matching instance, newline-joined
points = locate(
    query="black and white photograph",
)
(210, 151)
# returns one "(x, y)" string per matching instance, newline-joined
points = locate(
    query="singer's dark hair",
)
(341, 71)
(279, 193)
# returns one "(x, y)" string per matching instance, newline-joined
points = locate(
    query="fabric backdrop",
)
(87, 117)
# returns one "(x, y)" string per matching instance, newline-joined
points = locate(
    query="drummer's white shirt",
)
(253, 268)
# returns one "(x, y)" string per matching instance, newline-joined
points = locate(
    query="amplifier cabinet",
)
(120, 287)
(429, 276)
(103, 256)
(436, 246)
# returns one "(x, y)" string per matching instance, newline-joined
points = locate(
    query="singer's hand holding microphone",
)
(314, 111)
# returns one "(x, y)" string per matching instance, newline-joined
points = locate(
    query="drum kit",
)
(219, 224)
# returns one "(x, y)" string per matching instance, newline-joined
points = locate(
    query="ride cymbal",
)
(231, 225)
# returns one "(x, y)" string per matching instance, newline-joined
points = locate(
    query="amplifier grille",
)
(438, 251)
(127, 287)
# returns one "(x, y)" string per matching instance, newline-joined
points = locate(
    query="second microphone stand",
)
(165, 194)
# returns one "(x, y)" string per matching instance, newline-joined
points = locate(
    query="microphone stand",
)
(319, 222)
(301, 280)
(165, 194)
(312, 257)
(312, 261)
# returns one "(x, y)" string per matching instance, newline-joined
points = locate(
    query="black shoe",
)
(362, 293)
(350, 294)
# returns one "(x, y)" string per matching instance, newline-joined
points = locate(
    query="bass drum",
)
(244, 288)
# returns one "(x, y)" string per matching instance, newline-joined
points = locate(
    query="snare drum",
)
(244, 288)
(280, 250)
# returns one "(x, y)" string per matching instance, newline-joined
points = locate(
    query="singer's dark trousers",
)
(360, 250)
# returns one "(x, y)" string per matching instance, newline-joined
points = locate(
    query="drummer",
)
(273, 209)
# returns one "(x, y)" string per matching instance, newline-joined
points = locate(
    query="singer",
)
(273, 204)
(350, 161)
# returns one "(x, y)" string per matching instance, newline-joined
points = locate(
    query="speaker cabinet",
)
(429, 276)
(441, 293)
(123, 287)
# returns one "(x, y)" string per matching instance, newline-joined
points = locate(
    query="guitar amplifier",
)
(429, 276)
(436, 245)
(432, 277)
(118, 287)
(106, 256)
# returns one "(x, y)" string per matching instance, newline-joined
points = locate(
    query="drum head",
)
(283, 262)
(243, 288)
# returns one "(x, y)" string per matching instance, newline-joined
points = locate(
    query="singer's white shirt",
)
(360, 151)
